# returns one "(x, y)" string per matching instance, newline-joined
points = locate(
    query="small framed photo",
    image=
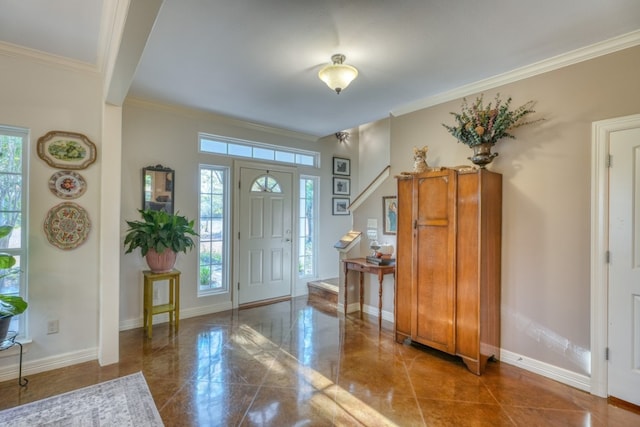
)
(341, 166)
(341, 186)
(341, 205)
(66, 150)
(389, 214)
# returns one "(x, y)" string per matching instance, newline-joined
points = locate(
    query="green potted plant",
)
(160, 236)
(10, 305)
(480, 126)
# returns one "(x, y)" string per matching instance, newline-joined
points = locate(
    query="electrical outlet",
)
(52, 327)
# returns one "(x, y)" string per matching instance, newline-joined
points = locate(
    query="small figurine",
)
(420, 159)
(420, 164)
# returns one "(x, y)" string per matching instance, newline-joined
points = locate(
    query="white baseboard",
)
(10, 372)
(369, 309)
(184, 314)
(373, 311)
(564, 376)
(49, 363)
(300, 289)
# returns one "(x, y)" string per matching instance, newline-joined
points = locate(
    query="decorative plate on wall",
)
(67, 225)
(66, 150)
(67, 184)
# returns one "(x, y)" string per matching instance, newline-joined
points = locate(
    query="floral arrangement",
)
(478, 124)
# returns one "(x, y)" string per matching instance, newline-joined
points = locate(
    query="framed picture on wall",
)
(341, 186)
(341, 166)
(389, 214)
(341, 206)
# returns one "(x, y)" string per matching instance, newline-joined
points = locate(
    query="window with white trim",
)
(307, 235)
(13, 212)
(265, 184)
(213, 253)
(225, 146)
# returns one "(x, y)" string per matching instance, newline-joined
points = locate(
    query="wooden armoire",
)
(448, 262)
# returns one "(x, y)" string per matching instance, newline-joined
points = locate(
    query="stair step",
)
(326, 289)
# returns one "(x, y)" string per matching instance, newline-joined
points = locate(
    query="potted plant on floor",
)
(160, 236)
(10, 305)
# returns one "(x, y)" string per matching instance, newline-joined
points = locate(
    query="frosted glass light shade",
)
(338, 75)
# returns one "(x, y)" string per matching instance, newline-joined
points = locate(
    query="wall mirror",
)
(158, 184)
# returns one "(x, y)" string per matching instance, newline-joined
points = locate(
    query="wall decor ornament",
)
(66, 150)
(341, 186)
(341, 166)
(67, 184)
(67, 225)
(389, 214)
(340, 206)
(480, 126)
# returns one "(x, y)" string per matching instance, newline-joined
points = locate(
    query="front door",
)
(624, 267)
(265, 239)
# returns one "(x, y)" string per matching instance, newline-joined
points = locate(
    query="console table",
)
(362, 266)
(173, 307)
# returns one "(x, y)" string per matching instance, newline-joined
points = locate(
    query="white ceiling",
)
(257, 60)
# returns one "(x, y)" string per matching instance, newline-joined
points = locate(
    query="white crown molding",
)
(560, 61)
(9, 49)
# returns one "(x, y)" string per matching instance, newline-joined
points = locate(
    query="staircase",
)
(324, 290)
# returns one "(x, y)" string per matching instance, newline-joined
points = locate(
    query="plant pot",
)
(482, 154)
(161, 263)
(4, 326)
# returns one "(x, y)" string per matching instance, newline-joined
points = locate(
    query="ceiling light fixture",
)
(342, 136)
(338, 75)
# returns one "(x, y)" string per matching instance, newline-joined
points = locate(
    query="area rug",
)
(124, 401)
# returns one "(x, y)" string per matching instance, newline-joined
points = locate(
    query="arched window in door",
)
(265, 184)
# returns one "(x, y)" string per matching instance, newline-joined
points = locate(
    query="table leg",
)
(380, 279)
(361, 275)
(172, 287)
(177, 306)
(346, 286)
(21, 381)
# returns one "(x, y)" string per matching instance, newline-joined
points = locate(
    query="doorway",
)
(265, 233)
(615, 245)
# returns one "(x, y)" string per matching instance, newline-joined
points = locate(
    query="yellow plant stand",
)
(173, 307)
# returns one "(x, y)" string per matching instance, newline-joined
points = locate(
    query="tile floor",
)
(300, 364)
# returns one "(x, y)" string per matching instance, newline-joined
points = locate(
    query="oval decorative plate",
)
(67, 225)
(67, 184)
(66, 150)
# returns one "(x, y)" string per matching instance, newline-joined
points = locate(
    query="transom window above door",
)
(232, 147)
(265, 184)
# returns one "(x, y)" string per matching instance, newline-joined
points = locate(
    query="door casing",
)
(600, 132)
(237, 165)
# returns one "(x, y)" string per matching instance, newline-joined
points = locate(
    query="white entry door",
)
(265, 234)
(624, 267)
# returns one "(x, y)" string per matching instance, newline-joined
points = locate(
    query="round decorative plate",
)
(67, 225)
(67, 184)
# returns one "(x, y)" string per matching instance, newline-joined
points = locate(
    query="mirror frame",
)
(162, 197)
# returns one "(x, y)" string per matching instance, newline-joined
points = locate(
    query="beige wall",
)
(63, 284)
(546, 208)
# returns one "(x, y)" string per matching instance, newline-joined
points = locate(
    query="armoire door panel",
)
(404, 260)
(468, 267)
(434, 296)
